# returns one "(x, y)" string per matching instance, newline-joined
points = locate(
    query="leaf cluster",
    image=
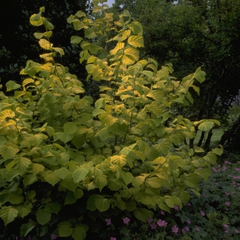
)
(68, 161)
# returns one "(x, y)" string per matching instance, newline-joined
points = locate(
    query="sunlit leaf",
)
(136, 41)
(45, 44)
(80, 173)
(8, 214)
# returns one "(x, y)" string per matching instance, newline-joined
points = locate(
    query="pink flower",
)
(108, 221)
(176, 207)
(113, 238)
(227, 193)
(150, 220)
(185, 229)
(225, 225)
(224, 168)
(126, 220)
(236, 231)
(202, 213)
(54, 236)
(161, 223)
(175, 229)
(227, 162)
(188, 221)
(237, 169)
(227, 203)
(197, 229)
(214, 169)
(162, 212)
(153, 226)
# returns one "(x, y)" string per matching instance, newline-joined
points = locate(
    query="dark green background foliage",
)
(17, 43)
(191, 34)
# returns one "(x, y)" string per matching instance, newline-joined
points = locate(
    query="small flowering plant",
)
(214, 215)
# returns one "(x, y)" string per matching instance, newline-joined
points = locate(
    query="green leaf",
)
(200, 75)
(15, 198)
(90, 33)
(8, 214)
(29, 179)
(206, 125)
(102, 204)
(80, 232)
(8, 152)
(97, 112)
(39, 35)
(147, 73)
(78, 193)
(37, 168)
(70, 198)
(76, 39)
(127, 177)
(80, 14)
(98, 202)
(27, 228)
(64, 229)
(50, 177)
(70, 128)
(61, 172)
(52, 207)
(143, 214)
(192, 180)
(198, 149)
(211, 158)
(184, 196)
(11, 85)
(24, 210)
(171, 201)
(43, 217)
(136, 41)
(101, 102)
(23, 164)
(155, 182)
(218, 150)
(80, 173)
(59, 50)
(136, 28)
(64, 137)
(205, 173)
(126, 150)
(100, 179)
(47, 24)
(78, 141)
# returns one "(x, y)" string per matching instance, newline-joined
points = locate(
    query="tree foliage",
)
(68, 162)
(190, 34)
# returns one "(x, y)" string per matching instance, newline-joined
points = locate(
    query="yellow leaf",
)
(136, 41)
(45, 44)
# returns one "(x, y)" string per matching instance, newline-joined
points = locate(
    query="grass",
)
(213, 216)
